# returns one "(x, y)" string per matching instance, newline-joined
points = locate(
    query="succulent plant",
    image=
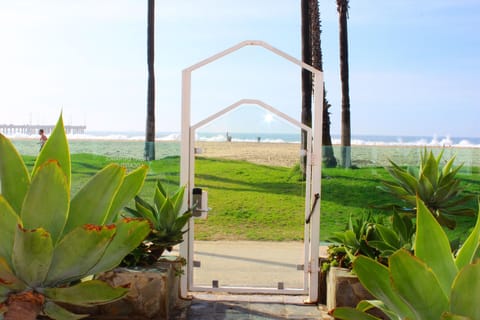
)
(354, 240)
(371, 237)
(50, 241)
(431, 284)
(438, 188)
(167, 223)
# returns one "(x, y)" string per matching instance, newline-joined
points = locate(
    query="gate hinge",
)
(311, 268)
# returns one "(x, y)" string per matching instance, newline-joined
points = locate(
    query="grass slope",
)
(257, 202)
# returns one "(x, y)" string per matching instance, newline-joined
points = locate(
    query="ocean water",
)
(367, 150)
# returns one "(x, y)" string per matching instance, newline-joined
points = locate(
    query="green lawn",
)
(257, 202)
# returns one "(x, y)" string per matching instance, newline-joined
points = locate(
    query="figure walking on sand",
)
(43, 138)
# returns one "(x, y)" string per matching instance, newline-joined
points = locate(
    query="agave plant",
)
(50, 241)
(436, 186)
(399, 235)
(167, 224)
(353, 241)
(371, 237)
(432, 284)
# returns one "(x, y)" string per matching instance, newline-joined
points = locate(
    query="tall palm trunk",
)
(312, 55)
(342, 8)
(150, 128)
(306, 77)
(317, 61)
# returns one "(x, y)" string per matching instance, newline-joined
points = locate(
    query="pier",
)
(29, 129)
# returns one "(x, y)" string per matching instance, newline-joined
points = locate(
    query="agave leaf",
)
(404, 227)
(56, 148)
(406, 180)
(32, 254)
(177, 199)
(166, 215)
(383, 247)
(54, 311)
(450, 176)
(448, 166)
(8, 228)
(436, 254)
(459, 205)
(453, 196)
(375, 278)
(466, 292)
(86, 293)
(411, 277)
(337, 237)
(366, 305)
(181, 221)
(394, 188)
(466, 254)
(133, 212)
(146, 211)
(425, 188)
(445, 191)
(430, 169)
(161, 188)
(92, 203)
(445, 221)
(9, 280)
(161, 201)
(350, 313)
(145, 204)
(46, 202)
(388, 235)
(440, 155)
(90, 243)
(131, 186)
(129, 234)
(14, 177)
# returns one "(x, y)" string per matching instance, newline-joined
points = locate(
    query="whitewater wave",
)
(393, 141)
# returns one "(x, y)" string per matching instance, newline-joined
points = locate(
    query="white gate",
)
(313, 184)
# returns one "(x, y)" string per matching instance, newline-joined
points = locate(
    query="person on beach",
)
(43, 138)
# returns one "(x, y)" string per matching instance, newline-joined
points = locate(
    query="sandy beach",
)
(288, 154)
(278, 154)
(265, 153)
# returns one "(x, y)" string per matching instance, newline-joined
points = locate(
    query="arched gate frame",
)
(314, 164)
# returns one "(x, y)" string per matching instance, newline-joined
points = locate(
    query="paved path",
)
(252, 263)
(262, 264)
(208, 306)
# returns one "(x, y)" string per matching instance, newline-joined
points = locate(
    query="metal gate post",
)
(316, 187)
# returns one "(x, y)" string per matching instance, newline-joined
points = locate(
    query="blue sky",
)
(414, 66)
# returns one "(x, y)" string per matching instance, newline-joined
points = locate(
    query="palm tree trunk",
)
(150, 128)
(306, 79)
(317, 61)
(342, 8)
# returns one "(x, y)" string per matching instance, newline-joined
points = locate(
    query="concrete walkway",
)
(209, 306)
(262, 264)
(253, 264)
